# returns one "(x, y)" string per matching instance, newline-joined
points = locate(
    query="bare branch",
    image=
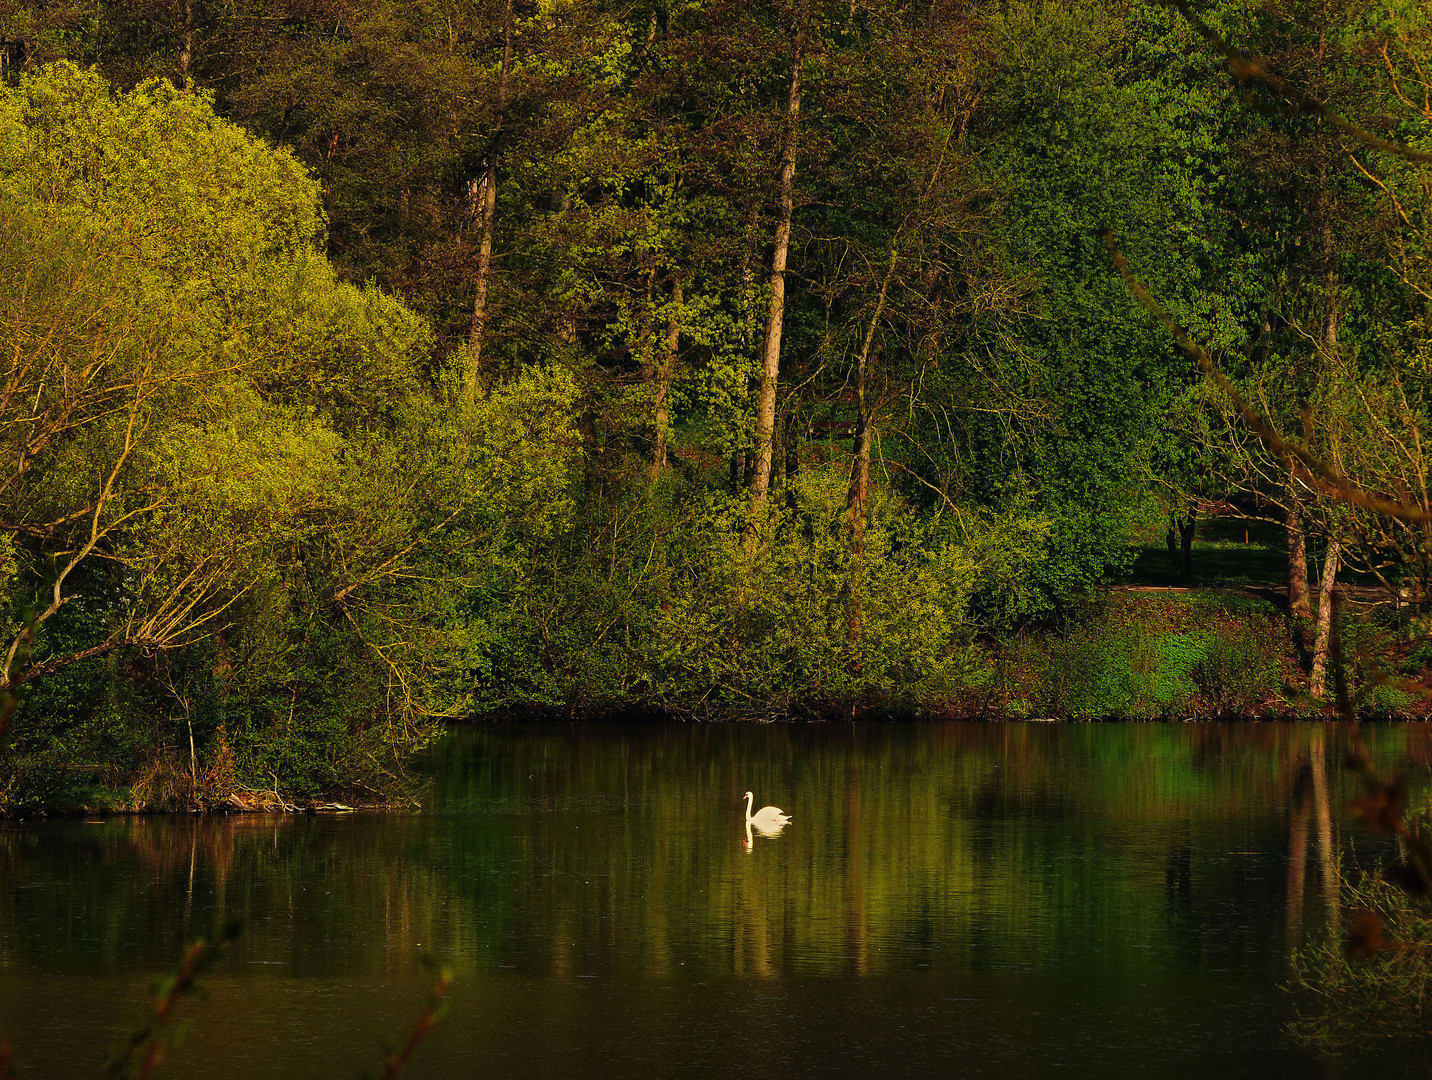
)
(1250, 68)
(1326, 476)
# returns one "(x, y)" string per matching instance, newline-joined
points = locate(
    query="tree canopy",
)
(374, 363)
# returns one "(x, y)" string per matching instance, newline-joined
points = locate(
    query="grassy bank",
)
(1202, 654)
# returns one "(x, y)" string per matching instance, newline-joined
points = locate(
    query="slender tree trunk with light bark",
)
(859, 489)
(1318, 683)
(771, 350)
(858, 493)
(664, 370)
(1319, 678)
(1298, 604)
(186, 41)
(487, 211)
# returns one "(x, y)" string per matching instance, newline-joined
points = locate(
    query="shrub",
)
(1345, 1003)
(1124, 671)
(1237, 669)
(1146, 658)
(1375, 691)
(687, 616)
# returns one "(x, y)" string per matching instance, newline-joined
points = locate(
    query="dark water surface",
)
(966, 900)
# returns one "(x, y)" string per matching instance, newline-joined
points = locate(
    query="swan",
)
(768, 820)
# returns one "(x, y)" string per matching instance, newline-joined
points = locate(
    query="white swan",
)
(768, 820)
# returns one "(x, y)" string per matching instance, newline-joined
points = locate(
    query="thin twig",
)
(437, 1008)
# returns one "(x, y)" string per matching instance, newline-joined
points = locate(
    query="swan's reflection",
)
(769, 821)
(768, 831)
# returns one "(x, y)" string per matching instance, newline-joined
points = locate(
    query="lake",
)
(998, 900)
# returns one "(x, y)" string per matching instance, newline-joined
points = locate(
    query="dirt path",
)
(1362, 596)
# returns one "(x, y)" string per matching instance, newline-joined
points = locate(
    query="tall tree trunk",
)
(1180, 541)
(1318, 679)
(1298, 605)
(771, 350)
(186, 41)
(665, 367)
(487, 209)
(1318, 683)
(858, 493)
(859, 488)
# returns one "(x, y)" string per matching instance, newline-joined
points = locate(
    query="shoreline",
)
(1135, 655)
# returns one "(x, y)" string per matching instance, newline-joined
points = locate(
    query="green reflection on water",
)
(936, 846)
(1140, 871)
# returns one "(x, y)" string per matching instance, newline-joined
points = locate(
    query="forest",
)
(373, 365)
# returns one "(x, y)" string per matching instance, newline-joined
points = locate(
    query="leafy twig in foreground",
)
(394, 1061)
(1248, 67)
(149, 1046)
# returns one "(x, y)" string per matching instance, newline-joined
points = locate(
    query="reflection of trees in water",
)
(317, 896)
(912, 847)
(1311, 803)
(856, 923)
(604, 851)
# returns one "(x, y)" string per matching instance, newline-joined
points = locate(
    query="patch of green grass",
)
(1123, 671)
(1154, 655)
(1223, 564)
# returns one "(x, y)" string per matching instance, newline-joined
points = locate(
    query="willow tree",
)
(231, 487)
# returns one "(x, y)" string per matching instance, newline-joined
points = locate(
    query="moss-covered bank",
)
(1201, 654)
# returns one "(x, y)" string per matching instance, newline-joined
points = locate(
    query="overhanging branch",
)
(1324, 475)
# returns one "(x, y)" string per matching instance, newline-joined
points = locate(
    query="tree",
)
(227, 482)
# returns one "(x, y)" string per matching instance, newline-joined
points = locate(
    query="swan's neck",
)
(750, 801)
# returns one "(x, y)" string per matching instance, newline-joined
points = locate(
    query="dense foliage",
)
(243, 523)
(374, 362)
